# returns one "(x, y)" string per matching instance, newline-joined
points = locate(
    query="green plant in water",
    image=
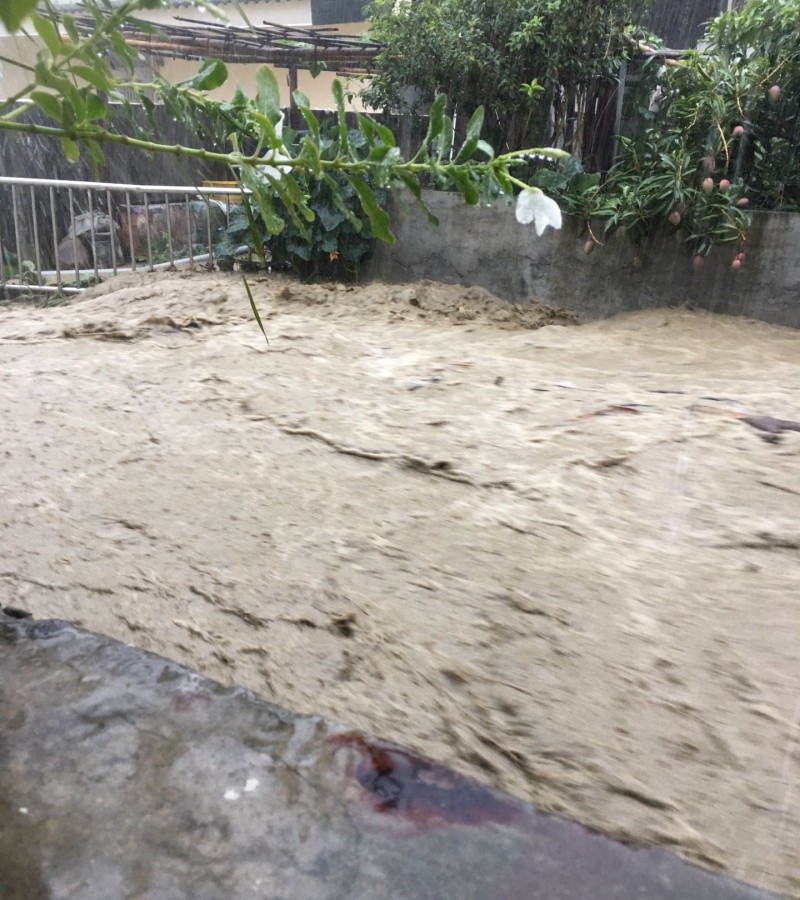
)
(338, 239)
(24, 270)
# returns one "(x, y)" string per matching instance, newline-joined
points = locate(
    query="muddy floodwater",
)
(563, 559)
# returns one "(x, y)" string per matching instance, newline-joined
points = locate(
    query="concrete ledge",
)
(125, 775)
(487, 247)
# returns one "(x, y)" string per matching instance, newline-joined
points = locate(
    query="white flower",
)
(534, 206)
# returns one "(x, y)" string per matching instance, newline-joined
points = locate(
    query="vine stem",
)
(101, 136)
(593, 236)
(725, 145)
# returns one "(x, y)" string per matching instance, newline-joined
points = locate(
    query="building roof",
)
(284, 46)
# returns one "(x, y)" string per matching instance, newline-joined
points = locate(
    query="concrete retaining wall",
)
(487, 247)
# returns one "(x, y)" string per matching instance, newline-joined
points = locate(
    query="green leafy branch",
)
(73, 83)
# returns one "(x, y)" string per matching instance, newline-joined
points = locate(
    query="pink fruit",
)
(698, 262)
(675, 217)
(774, 93)
(736, 264)
(708, 185)
(738, 131)
(743, 201)
(724, 185)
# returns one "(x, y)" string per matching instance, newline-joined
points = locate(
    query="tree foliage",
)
(720, 137)
(517, 58)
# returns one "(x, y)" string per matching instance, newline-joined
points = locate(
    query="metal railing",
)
(61, 236)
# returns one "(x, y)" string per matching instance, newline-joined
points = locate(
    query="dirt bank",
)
(560, 560)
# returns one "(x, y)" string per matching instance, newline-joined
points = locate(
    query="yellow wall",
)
(15, 49)
(318, 90)
(284, 12)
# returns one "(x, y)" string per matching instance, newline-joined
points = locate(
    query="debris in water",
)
(16, 613)
(771, 425)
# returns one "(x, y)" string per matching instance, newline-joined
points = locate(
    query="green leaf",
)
(392, 157)
(125, 52)
(211, 75)
(69, 26)
(466, 150)
(584, 181)
(48, 32)
(239, 98)
(268, 129)
(74, 100)
(48, 103)
(475, 124)
(340, 203)
(45, 76)
(301, 101)
(465, 184)
(272, 221)
(253, 304)
(413, 185)
(150, 109)
(329, 215)
(444, 142)
(268, 94)
(294, 200)
(338, 96)
(96, 154)
(329, 243)
(491, 187)
(379, 153)
(13, 12)
(299, 248)
(95, 108)
(367, 127)
(71, 150)
(99, 77)
(310, 152)
(435, 124)
(378, 218)
(385, 134)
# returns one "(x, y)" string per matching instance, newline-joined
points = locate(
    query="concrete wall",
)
(487, 247)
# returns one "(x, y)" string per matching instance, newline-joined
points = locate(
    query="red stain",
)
(420, 791)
